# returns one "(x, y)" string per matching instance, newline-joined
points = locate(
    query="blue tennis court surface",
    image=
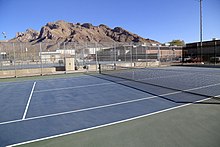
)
(37, 109)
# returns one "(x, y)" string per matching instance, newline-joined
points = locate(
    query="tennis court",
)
(76, 110)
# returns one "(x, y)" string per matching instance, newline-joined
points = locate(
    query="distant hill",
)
(61, 31)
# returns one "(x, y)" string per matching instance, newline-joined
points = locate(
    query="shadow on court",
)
(180, 96)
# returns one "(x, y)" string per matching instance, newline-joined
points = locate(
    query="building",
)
(66, 51)
(194, 52)
(50, 57)
(140, 53)
(3, 55)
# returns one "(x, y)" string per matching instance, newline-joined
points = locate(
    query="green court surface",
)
(194, 125)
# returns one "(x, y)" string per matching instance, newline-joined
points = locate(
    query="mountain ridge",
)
(62, 31)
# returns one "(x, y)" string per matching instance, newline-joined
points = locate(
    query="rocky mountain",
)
(61, 31)
(27, 36)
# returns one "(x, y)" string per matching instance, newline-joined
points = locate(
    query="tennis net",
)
(189, 84)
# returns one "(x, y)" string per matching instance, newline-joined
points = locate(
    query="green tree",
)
(177, 42)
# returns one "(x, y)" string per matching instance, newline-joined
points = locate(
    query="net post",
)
(99, 69)
(114, 66)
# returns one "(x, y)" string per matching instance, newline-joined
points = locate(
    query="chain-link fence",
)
(118, 53)
(26, 59)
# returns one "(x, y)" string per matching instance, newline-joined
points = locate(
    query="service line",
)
(29, 100)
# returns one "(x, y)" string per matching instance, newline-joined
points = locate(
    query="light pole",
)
(4, 34)
(200, 30)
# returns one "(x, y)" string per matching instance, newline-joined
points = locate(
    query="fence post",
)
(21, 56)
(64, 47)
(158, 53)
(124, 53)
(215, 51)
(41, 62)
(14, 60)
(84, 53)
(136, 53)
(96, 57)
(114, 52)
(197, 54)
(131, 54)
(146, 55)
(76, 62)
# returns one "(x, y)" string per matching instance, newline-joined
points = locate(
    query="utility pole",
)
(200, 30)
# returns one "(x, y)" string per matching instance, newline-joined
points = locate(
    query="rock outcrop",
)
(61, 31)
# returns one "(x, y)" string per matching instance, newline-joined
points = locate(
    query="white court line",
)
(124, 81)
(86, 109)
(203, 87)
(49, 79)
(105, 125)
(99, 107)
(74, 87)
(29, 100)
(14, 83)
(102, 106)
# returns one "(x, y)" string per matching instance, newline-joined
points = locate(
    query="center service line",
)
(29, 100)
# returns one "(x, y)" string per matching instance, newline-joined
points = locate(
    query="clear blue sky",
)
(161, 20)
